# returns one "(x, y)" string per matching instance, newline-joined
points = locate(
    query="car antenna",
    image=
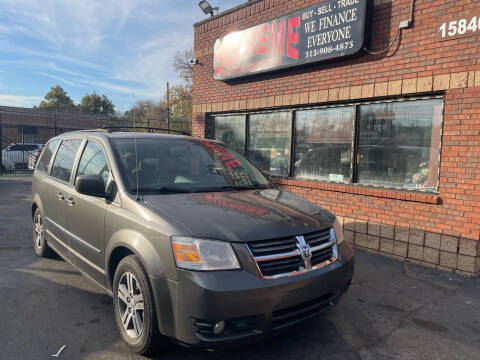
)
(135, 141)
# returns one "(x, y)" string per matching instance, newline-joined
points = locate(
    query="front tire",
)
(39, 243)
(134, 307)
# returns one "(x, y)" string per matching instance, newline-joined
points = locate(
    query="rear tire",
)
(134, 308)
(39, 242)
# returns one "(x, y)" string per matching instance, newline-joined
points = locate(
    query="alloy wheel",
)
(38, 228)
(130, 305)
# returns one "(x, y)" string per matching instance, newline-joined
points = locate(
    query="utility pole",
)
(147, 107)
(168, 107)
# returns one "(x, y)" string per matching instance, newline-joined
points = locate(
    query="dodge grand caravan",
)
(190, 239)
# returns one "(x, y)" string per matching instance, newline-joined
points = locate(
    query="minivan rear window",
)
(63, 164)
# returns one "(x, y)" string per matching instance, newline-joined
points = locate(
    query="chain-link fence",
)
(24, 132)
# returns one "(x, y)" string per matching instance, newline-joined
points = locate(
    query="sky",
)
(112, 47)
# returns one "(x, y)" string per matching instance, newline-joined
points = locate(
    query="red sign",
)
(331, 29)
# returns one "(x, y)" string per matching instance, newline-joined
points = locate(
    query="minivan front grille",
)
(281, 257)
(274, 246)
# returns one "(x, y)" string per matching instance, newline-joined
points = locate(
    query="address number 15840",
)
(462, 27)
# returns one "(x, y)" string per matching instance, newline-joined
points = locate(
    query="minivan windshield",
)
(182, 166)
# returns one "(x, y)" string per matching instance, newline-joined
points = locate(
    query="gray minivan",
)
(192, 241)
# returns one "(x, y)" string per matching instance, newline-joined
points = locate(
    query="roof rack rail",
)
(89, 130)
(112, 128)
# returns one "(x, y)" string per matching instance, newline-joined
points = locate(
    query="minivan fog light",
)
(202, 254)
(219, 327)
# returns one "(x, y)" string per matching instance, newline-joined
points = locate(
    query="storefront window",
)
(231, 131)
(399, 144)
(270, 141)
(323, 143)
(392, 144)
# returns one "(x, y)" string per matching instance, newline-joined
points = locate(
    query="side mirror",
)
(90, 185)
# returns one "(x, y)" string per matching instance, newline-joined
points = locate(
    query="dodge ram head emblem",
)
(305, 251)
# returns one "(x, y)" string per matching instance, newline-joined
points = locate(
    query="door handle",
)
(70, 201)
(60, 196)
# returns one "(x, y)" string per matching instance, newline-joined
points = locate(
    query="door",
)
(56, 186)
(85, 216)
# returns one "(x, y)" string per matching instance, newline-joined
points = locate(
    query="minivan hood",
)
(242, 216)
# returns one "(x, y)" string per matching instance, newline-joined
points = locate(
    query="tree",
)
(96, 104)
(181, 101)
(57, 98)
(183, 66)
(147, 113)
(181, 95)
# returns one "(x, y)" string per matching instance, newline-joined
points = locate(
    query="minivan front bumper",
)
(250, 307)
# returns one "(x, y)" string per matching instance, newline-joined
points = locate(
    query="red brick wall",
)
(422, 64)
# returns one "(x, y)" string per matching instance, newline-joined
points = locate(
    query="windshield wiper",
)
(172, 189)
(179, 190)
(239, 187)
(165, 190)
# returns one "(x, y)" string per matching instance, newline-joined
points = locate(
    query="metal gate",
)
(24, 132)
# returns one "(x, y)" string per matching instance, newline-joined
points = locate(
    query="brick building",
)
(25, 125)
(390, 142)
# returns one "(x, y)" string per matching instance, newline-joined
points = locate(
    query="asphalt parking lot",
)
(392, 311)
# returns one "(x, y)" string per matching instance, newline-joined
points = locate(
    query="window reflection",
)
(231, 131)
(62, 166)
(399, 143)
(94, 162)
(270, 141)
(46, 156)
(323, 143)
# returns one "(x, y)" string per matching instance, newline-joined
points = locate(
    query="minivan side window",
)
(46, 156)
(94, 162)
(63, 164)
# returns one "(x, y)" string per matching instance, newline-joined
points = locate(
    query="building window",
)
(323, 143)
(231, 131)
(390, 144)
(269, 141)
(399, 144)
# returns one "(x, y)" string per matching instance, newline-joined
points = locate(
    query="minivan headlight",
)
(338, 231)
(202, 254)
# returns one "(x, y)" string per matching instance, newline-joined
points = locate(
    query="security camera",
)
(194, 61)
